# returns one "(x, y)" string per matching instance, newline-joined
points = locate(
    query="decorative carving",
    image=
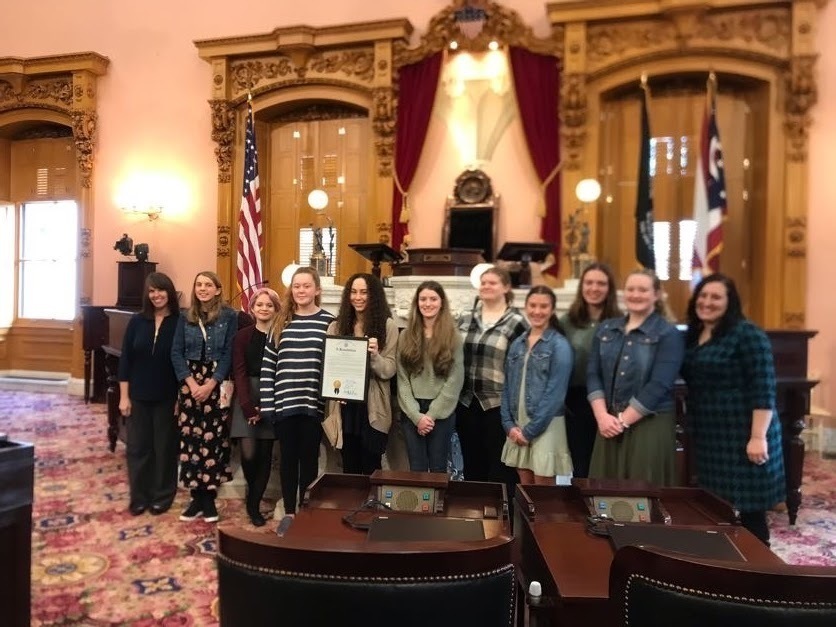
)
(85, 300)
(573, 117)
(85, 237)
(801, 95)
(796, 236)
(794, 320)
(246, 75)
(771, 28)
(318, 112)
(56, 91)
(606, 42)
(357, 63)
(384, 232)
(500, 24)
(84, 136)
(383, 125)
(223, 134)
(223, 241)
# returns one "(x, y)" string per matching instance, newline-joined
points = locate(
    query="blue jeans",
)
(428, 452)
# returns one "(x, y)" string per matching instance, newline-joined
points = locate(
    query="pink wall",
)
(153, 118)
(821, 227)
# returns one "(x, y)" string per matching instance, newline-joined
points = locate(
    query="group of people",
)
(530, 396)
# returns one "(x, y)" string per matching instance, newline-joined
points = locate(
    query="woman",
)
(202, 358)
(488, 332)
(731, 404)
(255, 435)
(148, 391)
(430, 376)
(596, 300)
(538, 370)
(633, 364)
(289, 387)
(364, 312)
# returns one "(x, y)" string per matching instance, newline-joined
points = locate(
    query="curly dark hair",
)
(377, 309)
(733, 315)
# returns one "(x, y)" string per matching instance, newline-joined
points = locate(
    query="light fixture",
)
(588, 190)
(476, 274)
(152, 211)
(493, 45)
(318, 200)
(454, 45)
(288, 272)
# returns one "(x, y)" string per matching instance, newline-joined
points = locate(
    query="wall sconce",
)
(152, 211)
(318, 200)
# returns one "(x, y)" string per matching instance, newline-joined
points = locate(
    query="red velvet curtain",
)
(417, 84)
(539, 110)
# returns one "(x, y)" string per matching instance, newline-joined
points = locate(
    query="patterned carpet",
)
(93, 564)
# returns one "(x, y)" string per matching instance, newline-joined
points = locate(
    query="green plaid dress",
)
(728, 377)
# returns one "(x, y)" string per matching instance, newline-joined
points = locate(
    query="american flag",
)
(250, 238)
(709, 196)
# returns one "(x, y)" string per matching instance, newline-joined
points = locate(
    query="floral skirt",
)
(204, 434)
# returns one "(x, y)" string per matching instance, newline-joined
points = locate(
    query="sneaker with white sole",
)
(193, 511)
(210, 512)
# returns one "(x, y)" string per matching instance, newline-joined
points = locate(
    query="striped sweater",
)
(290, 375)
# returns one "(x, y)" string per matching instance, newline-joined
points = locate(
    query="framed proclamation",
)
(345, 369)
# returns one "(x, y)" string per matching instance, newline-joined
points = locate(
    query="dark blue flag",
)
(644, 196)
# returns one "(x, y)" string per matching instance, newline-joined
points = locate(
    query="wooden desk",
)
(573, 565)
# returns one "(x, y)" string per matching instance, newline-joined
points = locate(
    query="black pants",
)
(153, 441)
(581, 429)
(357, 459)
(756, 523)
(299, 438)
(482, 437)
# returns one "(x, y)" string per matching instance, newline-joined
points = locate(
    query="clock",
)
(472, 187)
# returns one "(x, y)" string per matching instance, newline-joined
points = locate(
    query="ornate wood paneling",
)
(770, 43)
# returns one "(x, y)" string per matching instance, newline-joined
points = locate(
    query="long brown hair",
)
(440, 347)
(545, 290)
(285, 314)
(579, 309)
(213, 308)
(377, 309)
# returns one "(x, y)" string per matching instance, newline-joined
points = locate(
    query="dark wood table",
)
(573, 566)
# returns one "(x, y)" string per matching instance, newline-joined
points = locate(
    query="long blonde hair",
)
(210, 313)
(288, 308)
(440, 347)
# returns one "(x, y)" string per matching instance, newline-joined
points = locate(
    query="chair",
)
(649, 588)
(471, 215)
(260, 583)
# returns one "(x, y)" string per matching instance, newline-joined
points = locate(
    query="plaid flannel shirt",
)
(485, 348)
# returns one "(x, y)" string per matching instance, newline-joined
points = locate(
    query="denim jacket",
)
(188, 344)
(638, 368)
(546, 380)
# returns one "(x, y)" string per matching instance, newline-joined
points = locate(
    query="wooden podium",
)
(439, 262)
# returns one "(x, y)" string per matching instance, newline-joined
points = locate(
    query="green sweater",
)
(581, 340)
(426, 385)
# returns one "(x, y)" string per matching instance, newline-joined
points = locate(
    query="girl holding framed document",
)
(364, 312)
(289, 387)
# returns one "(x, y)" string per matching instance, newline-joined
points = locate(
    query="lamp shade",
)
(588, 190)
(318, 199)
(287, 273)
(476, 274)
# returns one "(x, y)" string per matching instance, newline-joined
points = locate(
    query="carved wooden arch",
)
(610, 44)
(349, 63)
(61, 89)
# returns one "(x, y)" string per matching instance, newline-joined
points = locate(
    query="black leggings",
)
(256, 462)
(299, 438)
